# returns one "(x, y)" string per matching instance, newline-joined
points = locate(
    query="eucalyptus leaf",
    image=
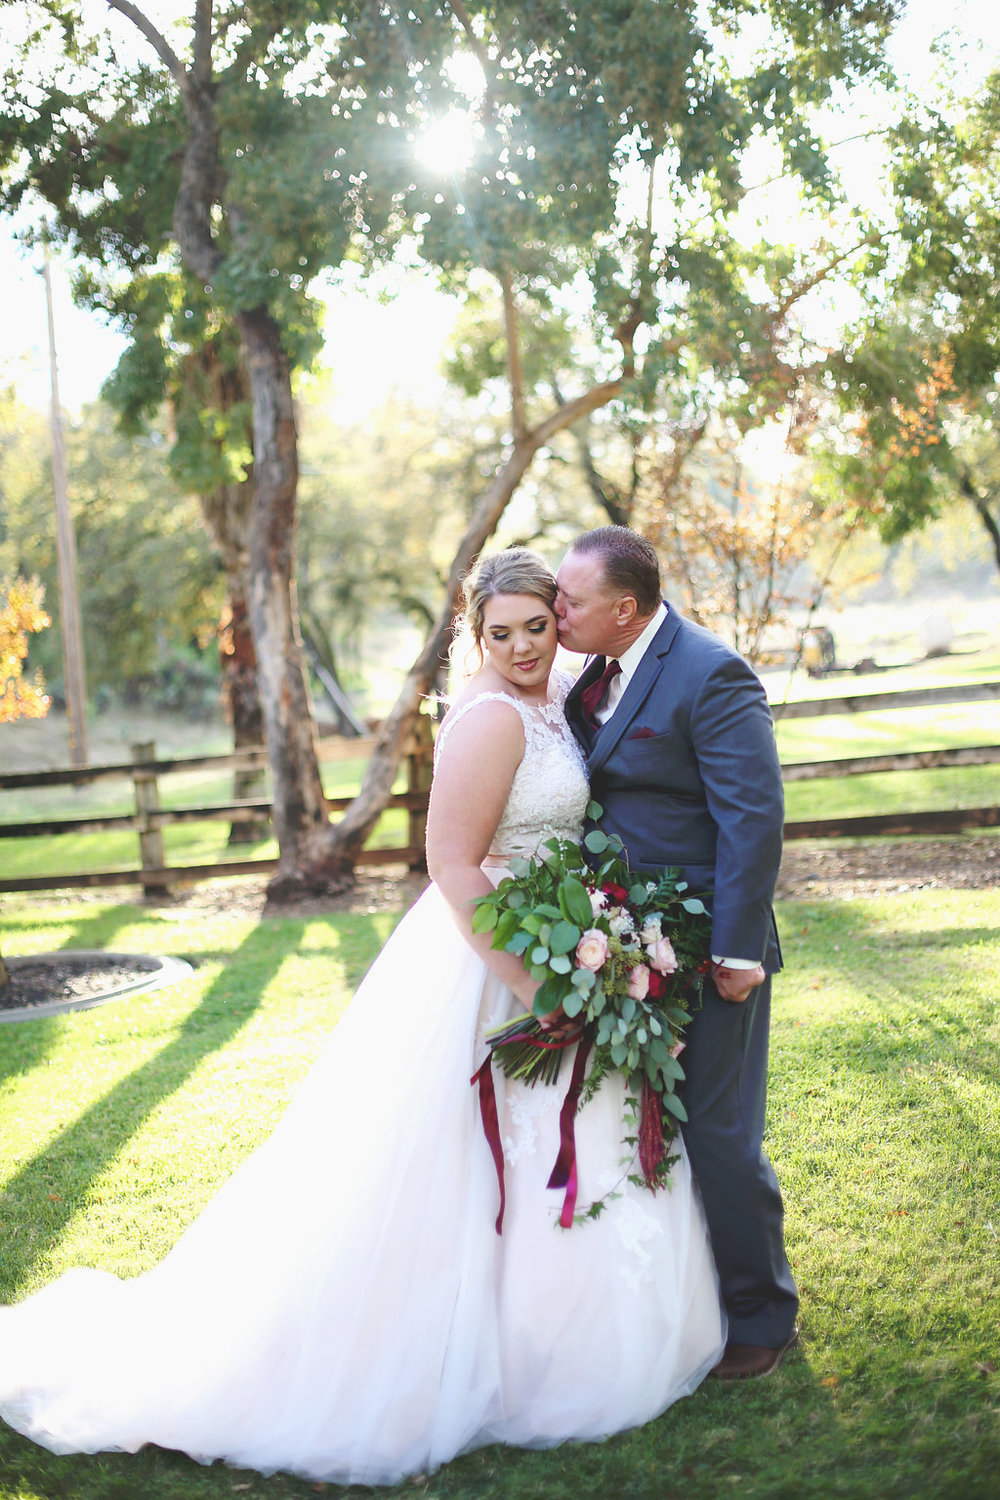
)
(564, 937)
(560, 964)
(596, 841)
(573, 1003)
(674, 1105)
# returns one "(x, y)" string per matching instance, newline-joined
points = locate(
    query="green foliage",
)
(149, 585)
(920, 379)
(585, 934)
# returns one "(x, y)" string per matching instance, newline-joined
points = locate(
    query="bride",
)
(344, 1308)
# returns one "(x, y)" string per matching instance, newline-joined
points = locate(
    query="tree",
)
(285, 141)
(181, 357)
(237, 151)
(149, 584)
(920, 377)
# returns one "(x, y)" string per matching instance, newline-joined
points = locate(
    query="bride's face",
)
(519, 637)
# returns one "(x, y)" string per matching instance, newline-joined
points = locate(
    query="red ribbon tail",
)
(491, 1127)
(651, 1142)
(564, 1174)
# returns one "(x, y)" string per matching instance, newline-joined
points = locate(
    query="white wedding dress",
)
(344, 1308)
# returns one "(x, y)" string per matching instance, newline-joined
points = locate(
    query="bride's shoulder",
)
(486, 710)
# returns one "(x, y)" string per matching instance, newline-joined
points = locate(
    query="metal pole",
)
(72, 629)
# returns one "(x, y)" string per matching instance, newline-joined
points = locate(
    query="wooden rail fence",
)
(149, 819)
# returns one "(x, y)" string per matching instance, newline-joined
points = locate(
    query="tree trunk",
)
(227, 515)
(350, 833)
(242, 700)
(981, 506)
(308, 860)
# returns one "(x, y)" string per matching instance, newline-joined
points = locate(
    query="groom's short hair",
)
(629, 562)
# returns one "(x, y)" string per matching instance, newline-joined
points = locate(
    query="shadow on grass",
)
(55, 1182)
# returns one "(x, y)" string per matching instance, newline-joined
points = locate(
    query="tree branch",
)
(463, 18)
(801, 289)
(157, 41)
(982, 509)
(515, 373)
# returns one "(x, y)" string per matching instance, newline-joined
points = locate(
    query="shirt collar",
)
(630, 659)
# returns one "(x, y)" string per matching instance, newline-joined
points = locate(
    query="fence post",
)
(147, 802)
(419, 770)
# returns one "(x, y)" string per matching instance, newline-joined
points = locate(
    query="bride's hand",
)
(559, 1026)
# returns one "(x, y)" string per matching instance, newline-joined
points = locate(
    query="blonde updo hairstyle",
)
(517, 570)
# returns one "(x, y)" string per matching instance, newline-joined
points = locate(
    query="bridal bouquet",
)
(624, 955)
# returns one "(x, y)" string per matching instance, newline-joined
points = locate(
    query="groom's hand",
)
(736, 984)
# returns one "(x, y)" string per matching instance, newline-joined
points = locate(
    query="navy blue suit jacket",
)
(687, 773)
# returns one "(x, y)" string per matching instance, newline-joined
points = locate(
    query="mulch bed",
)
(809, 871)
(71, 979)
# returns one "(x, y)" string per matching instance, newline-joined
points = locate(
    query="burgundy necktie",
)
(592, 696)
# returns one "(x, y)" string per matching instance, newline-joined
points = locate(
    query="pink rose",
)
(591, 950)
(662, 955)
(638, 982)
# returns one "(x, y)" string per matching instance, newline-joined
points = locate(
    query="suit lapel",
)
(636, 693)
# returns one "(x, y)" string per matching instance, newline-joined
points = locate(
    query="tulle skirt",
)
(344, 1308)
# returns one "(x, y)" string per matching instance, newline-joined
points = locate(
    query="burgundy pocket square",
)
(642, 734)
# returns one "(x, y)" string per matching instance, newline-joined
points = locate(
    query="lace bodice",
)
(549, 793)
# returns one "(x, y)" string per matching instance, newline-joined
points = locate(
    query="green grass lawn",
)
(117, 1123)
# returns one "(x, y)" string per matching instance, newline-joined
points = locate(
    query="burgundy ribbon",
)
(491, 1126)
(652, 1147)
(564, 1171)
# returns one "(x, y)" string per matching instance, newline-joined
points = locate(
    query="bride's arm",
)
(471, 785)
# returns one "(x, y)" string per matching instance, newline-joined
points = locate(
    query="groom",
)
(680, 749)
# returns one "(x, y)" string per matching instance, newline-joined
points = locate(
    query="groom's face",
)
(587, 610)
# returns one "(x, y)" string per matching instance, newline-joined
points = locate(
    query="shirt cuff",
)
(736, 963)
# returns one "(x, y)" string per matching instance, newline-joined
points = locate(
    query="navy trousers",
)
(725, 1093)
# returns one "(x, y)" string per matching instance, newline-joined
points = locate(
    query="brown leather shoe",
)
(750, 1361)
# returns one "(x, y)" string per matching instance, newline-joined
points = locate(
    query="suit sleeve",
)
(733, 738)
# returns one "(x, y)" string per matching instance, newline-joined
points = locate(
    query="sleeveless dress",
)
(343, 1308)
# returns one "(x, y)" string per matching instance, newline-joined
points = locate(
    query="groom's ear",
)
(626, 610)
